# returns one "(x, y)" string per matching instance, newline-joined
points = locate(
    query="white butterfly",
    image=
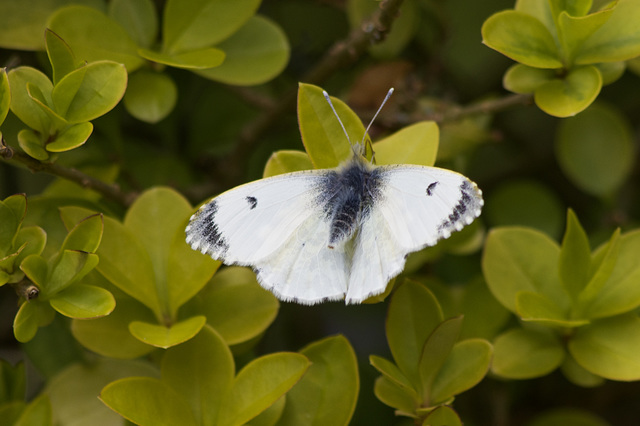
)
(331, 234)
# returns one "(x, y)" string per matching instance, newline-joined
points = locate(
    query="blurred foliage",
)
(118, 117)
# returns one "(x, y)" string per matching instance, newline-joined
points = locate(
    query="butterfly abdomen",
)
(347, 195)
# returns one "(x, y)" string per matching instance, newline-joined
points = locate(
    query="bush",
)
(118, 118)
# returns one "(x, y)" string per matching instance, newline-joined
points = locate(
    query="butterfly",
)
(333, 234)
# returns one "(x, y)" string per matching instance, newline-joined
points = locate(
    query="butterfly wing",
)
(417, 207)
(276, 226)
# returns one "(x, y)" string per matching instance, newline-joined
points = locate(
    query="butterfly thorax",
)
(347, 195)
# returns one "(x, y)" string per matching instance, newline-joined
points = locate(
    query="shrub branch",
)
(107, 190)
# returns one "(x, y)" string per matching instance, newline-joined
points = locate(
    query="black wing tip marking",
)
(467, 209)
(204, 234)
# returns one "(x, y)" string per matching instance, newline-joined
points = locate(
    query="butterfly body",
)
(334, 234)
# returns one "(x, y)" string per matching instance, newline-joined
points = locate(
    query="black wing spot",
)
(253, 202)
(431, 188)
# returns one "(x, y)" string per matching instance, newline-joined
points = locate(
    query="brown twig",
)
(484, 107)
(109, 191)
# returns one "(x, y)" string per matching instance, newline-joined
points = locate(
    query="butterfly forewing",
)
(423, 205)
(253, 221)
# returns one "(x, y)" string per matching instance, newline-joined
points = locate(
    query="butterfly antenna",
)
(326, 96)
(386, 98)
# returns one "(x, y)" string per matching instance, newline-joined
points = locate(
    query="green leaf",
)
(5, 95)
(37, 412)
(155, 402)
(484, 315)
(60, 55)
(33, 238)
(522, 38)
(85, 235)
(236, 306)
(286, 161)
(578, 375)
(572, 7)
(271, 415)
(616, 40)
(595, 149)
(260, 384)
(621, 292)
(540, 309)
(435, 352)
(415, 144)
(526, 353)
(600, 275)
(255, 54)
(70, 267)
(22, 104)
(395, 396)
(109, 336)
(124, 262)
(570, 95)
(95, 37)
(166, 336)
(90, 91)
(568, 417)
(521, 259)
(24, 23)
(465, 367)
(202, 23)
(36, 268)
(327, 393)
(11, 411)
(31, 143)
(150, 96)
(322, 135)
(12, 211)
(158, 218)
(72, 137)
(609, 347)
(575, 257)
(413, 314)
(207, 57)
(137, 17)
(521, 78)
(202, 371)
(391, 372)
(611, 71)
(442, 416)
(31, 315)
(541, 10)
(12, 381)
(574, 30)
(84, 302)
(74, 391)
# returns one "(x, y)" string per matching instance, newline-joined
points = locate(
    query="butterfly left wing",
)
(418, 206)
(277, 227)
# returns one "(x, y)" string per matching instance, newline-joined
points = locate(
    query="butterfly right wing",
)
(276, 226)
